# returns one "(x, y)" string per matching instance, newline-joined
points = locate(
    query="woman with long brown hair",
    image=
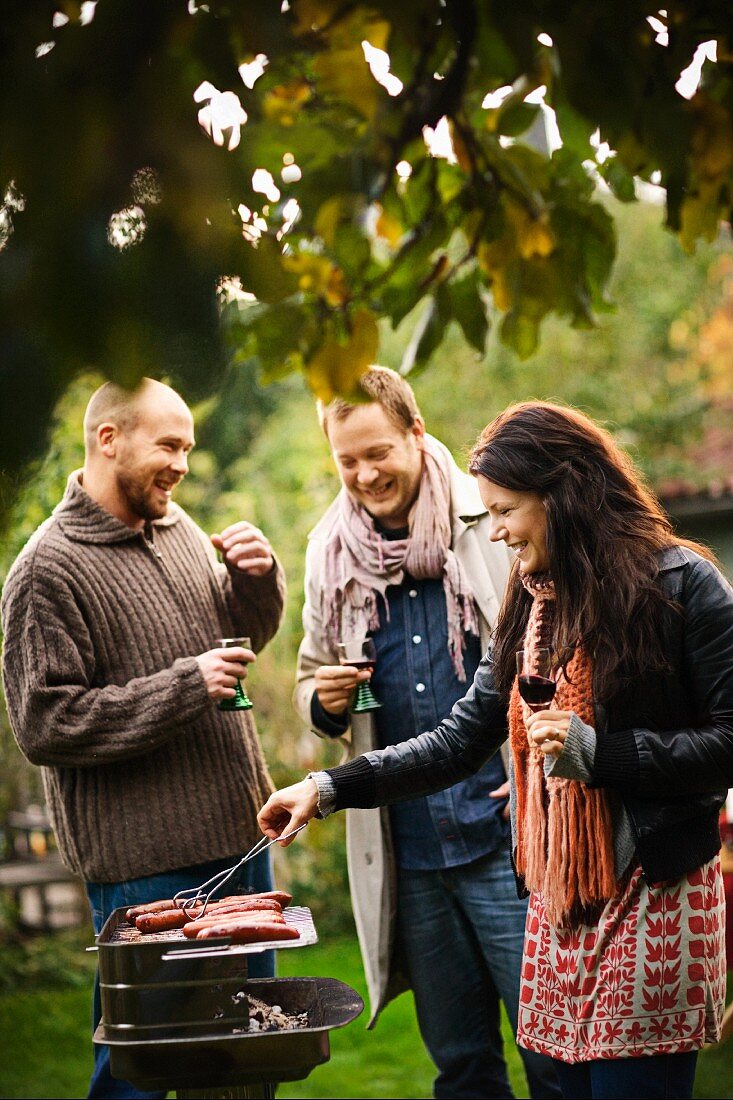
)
(617, 784)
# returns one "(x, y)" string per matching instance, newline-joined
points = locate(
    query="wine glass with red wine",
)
(360, 653)
(537, 686)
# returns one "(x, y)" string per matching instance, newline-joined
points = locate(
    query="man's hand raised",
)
(245, 549)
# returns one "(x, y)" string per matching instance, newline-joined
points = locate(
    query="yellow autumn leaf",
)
(533, 234)
(389, 229)
(318, 275)
(330, 215)
(282, 103)
(345, 75)
(494, 257)
(336, 291)
(460, 148)
(336, 367)
(698, 218)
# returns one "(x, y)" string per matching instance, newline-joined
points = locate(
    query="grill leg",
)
(261, 1090)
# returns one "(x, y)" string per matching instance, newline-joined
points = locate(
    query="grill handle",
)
(197, 952)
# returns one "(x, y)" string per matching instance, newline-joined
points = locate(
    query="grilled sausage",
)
(161, 921)
(275, 895)
(243, 931)
(151, 907)
(281, 896)
(251, 905)
(193, 927)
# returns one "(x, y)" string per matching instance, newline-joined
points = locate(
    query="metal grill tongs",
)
(190, 899)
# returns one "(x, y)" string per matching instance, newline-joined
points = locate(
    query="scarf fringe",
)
(564, 828)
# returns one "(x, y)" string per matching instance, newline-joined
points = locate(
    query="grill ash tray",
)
(128, 957)
(177, 1055)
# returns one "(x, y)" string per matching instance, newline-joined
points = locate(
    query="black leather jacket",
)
(665, 744)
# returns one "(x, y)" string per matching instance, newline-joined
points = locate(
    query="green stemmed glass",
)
(241, 700)
(360, 653)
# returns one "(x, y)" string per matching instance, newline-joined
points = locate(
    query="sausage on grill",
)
(151, 907)
(161, 921)
(280, 896)
(193, 927)
(244, 931)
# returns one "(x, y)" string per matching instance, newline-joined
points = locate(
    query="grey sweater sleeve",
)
(578, 754)
(576, 762)
(326, 793)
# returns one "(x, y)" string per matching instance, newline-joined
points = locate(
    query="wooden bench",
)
(44, 893)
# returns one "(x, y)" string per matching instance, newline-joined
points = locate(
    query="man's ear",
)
(107, 436)
(418, 427)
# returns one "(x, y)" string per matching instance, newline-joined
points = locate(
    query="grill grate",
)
(299, 916)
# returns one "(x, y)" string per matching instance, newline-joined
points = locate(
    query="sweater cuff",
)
(356, 787)
(333, 725)
(577, 756)
(326, 793)
(616, 761)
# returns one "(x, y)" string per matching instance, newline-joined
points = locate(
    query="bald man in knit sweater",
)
(111, 673)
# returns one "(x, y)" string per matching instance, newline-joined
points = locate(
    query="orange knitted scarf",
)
(564, 828)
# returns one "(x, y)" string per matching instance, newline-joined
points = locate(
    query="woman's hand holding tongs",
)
(288, 809)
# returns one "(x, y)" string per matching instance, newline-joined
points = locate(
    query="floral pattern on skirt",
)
(647, 978)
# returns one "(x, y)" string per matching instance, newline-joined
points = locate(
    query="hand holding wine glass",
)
(360, 654)
(537, 672)
(240, 699)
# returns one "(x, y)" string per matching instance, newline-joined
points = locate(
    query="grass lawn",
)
(46, 1050)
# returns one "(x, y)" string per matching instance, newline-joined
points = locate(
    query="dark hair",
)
(604, 533)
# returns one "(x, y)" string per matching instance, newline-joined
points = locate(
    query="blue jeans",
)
(658, 1076)
(461, 934)
(104, 897)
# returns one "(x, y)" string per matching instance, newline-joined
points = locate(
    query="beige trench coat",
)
(369, 845)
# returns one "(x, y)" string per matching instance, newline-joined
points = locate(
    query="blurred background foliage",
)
(135, 137)
(655, 373)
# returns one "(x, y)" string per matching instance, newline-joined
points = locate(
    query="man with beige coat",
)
(403, 555)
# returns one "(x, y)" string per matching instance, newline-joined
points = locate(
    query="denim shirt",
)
(416, 684)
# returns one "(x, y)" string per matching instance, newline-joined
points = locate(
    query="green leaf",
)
(618, 179)
(516, 119)
(428, 333)
(520, 333)
(273, 334)
(263, 274)
(468, 308)
(402, 289)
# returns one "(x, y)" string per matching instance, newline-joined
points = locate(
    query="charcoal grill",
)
(174, 1018)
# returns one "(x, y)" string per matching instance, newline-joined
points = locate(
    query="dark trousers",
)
(105, 897)
(656, 1077)
(461, 935)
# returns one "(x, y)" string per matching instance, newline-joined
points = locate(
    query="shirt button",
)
(419, 687)
(412, 593)
(417, 638)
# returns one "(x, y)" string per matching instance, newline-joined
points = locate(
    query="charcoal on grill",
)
(264, 1017)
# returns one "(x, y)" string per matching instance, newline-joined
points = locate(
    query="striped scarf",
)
(564, 828)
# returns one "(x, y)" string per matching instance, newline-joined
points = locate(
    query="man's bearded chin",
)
(140, 503)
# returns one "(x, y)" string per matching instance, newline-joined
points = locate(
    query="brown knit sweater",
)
(143, 773)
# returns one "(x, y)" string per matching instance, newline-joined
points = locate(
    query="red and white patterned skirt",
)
(648, 978)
